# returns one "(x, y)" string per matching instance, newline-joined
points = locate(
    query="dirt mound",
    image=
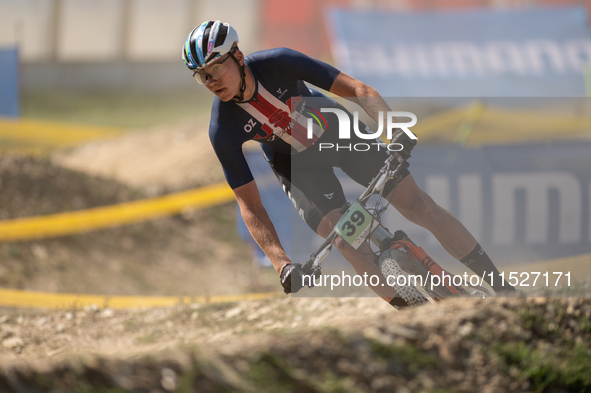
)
(168, 158)
(198, 254)
(33, 187)
(304, 345)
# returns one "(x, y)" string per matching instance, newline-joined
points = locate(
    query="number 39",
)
(357, 218)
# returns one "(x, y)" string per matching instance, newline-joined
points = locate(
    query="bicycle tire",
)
(411, 265)
(414, 295)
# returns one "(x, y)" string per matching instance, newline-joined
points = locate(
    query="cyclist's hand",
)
(291, 278)
(407, 144)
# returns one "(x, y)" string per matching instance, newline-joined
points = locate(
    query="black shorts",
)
(309, 180)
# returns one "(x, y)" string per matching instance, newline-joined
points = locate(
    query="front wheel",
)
(407, 286)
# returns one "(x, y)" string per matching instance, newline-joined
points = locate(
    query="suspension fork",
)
(383, 239)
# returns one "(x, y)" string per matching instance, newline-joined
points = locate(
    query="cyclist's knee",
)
(339, 243)
(327, 223)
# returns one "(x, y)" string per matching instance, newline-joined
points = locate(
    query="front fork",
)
(384, 240)
(380, 236)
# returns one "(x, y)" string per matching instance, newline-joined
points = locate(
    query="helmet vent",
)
(205, 38)
(221, 38)
(211, 57)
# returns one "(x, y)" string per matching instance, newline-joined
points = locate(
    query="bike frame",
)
(377, 234)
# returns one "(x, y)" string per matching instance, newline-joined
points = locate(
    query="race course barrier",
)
(479, 123)
(577, 265)
(38, 137)
(68, 301)
(114, 215)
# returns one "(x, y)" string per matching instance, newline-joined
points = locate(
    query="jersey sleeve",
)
(287, 61)
(228, 149)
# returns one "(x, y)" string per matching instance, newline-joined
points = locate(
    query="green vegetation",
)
(408, 355)
(270, 373)
(555, 361)
(273, 374)
(549, 369)
(115, 109)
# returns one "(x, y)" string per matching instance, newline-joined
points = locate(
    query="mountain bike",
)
(407, 267)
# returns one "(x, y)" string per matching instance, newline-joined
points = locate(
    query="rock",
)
(402, 331)
(42, 321)
(92, 308)
(376, 335)
(233, 312)
(13, 342)
(9, 329)
(465, 329)
(168, 380)
(39, 252)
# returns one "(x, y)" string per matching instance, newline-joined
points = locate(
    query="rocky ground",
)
(303, 345)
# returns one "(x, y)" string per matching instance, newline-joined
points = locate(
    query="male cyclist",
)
(261, 97)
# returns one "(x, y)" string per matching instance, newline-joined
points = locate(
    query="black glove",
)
(291, 278)
(403, 139)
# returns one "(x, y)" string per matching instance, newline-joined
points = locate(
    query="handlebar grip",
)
(307, 267)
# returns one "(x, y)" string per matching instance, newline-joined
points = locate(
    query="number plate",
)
(353, 226)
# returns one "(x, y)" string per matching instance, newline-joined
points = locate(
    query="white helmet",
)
(208, 42)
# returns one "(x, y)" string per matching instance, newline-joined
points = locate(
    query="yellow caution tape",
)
(113, 215)
(51, 134)
(38, 138)
(69, 301)
(577, 265)
(478, 124)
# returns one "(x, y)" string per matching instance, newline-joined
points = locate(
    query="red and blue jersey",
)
(274, 116)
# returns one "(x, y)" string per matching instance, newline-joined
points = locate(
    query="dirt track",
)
(277, 345)
(303, 345)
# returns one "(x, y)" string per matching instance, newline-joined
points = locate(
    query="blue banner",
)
(525, 53)
(523, 203)
(9, 83)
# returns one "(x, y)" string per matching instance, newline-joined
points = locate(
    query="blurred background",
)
(133, 44)
(97, 109)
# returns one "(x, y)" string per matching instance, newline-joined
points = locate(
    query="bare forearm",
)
(364, 95)
(372, 102)
(263, 232)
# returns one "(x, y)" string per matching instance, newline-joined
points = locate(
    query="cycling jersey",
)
(273, 116)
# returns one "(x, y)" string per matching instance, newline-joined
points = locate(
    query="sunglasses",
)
(213, 73)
